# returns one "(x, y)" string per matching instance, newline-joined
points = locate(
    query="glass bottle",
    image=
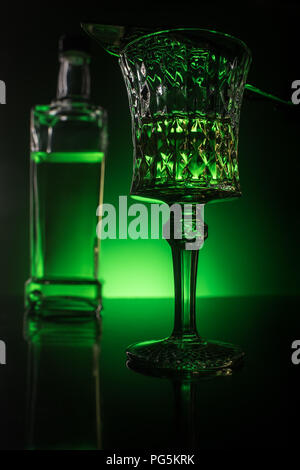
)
(68, 144)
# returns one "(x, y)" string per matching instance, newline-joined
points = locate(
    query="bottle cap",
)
(74, 42)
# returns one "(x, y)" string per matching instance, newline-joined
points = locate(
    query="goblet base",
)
(192, 357)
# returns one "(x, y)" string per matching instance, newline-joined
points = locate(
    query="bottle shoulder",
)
(62, 110)
(68, 126)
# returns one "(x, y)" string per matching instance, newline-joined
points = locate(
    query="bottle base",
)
(49, 296)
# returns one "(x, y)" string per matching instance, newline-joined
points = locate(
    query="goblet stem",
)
(185, 251)
(185, 264)
(185, 352)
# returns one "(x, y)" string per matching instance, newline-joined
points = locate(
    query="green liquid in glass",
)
(185, 158)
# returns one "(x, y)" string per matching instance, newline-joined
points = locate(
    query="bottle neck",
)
(74, 77)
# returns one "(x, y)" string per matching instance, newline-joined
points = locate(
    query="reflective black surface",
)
(66, 386)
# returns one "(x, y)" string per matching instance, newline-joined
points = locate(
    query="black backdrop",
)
(28, 50)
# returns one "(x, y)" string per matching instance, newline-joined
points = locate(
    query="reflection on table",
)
(63, 383)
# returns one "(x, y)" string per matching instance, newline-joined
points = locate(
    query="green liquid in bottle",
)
(65, 194)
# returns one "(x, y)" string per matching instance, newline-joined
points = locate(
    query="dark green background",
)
(252, 241)
(251, 250)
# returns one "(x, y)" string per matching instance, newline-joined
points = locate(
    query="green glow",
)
(146, 199)
(67, 157)
(231, 262)
(268, 96)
